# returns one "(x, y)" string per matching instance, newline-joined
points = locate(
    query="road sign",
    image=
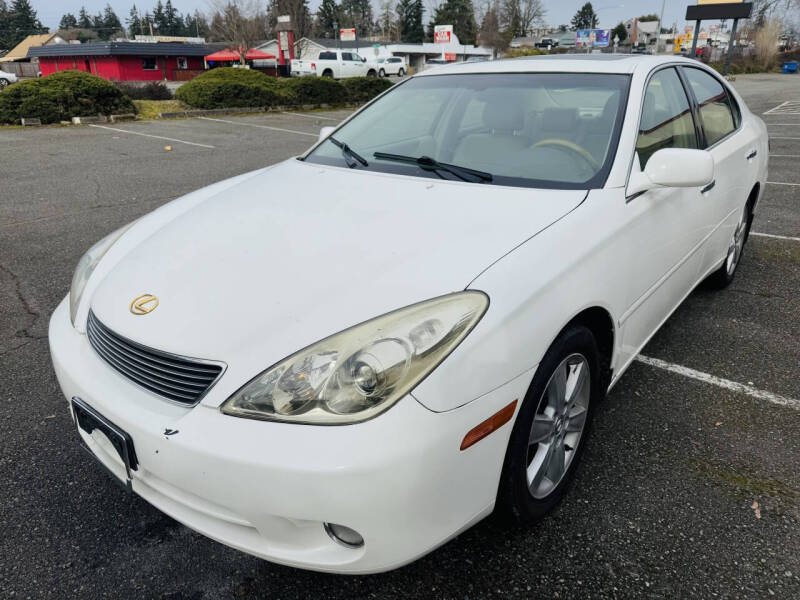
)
(347, 35)
(442, 34)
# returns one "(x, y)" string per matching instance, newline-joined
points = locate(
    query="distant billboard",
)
(347, 35)
(592, 38)
(442, 34)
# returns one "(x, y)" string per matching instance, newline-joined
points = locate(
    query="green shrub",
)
(227, 87)
(153, 90)
(518, 52)
(364, 89)
(313, 90)
(61, 96)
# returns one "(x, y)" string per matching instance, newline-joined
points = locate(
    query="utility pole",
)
(658, 33)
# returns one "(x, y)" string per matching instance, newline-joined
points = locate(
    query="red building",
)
(125, 61)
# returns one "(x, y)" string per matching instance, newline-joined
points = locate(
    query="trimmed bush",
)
(364, 89)
(61, 96)
(154, 90)
(228, 87)
(313, 90)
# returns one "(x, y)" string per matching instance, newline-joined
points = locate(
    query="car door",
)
(734, 155)
(666, 227)
(359, 66)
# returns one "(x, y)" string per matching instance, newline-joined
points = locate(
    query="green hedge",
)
(228, 87)
(61, 96)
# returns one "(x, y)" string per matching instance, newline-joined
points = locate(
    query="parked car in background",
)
(338, 64)
(547, 43)
(414, 326)
(394, 65)
(7, 79)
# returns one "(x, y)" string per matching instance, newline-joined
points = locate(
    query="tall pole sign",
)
(718, 10)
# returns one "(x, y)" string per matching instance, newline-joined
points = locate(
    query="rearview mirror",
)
(325, 132)
(672, 167)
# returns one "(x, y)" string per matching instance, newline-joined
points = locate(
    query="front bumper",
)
(266, 488)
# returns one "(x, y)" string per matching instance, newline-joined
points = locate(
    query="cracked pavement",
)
(662, 505)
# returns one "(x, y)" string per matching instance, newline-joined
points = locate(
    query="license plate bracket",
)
(88, 419)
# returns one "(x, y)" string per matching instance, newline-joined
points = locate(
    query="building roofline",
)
(122, 49)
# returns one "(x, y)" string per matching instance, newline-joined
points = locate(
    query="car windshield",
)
(551, 130)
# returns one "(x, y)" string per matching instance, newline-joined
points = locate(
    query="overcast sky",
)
(558, 11)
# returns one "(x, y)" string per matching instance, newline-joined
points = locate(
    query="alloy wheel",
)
(558, 425)
(737, 244)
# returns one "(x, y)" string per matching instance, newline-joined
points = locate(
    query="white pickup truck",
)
(337, 64)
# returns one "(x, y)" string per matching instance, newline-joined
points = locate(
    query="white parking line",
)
(790, 107)
(772, 137)
(260, 126)
(785, 124)
(310, 116)
(777, 237)
(785, 155)
(719, 382)
(782, 182)
(158, 137)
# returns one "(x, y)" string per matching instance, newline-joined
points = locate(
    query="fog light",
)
(343, 535)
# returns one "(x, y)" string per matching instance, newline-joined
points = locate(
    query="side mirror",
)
(325, 132)
(363, 59)
(672, 167)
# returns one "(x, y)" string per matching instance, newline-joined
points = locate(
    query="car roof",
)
(561, 63)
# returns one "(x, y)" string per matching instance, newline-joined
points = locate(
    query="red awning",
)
(232, 55)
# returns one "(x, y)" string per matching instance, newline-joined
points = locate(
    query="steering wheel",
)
(572, 146)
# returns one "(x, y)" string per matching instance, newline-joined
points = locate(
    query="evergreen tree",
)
(298, 11)
(173, 22)
(20, 22)
(585, 18)
(147, 23)
(386, 23)
(328, 19)
(110, 25)
(409, 21)
(68, 21)
(134, 23)
(490, 34)
(458, 13)
(195, 25)
(358, 14)
(619, 31)
(511, 18)
(84, 20)
(159, 18)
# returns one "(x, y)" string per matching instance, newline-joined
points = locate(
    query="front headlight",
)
(86, 266)
(360, 372)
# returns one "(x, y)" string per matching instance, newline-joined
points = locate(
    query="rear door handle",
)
(709, 187)
(752, 155)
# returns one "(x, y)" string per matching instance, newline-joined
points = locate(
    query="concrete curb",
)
(188, 114)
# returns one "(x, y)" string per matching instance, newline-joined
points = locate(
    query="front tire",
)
(401, 72)
(381, 73)
(549, 435)
(3, 83)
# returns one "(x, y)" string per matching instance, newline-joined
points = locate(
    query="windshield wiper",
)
(348, 151)
(431, 164)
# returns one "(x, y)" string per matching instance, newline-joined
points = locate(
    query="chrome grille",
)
(177, 378)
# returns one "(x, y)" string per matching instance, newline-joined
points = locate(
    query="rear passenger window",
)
(327, 56)
(347, 56)
(666, 117)
(716, 112)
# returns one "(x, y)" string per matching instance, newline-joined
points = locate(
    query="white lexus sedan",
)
(341, 361)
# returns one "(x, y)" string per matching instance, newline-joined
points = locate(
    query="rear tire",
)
(722, 277)
(3, 83)
(327, 73)
(372, 73)
(381, 73)
(550, 432)
(401, 72)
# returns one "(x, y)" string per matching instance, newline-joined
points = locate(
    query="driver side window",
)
(666, 117)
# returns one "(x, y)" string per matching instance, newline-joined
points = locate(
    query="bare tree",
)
(240, 22)
(532, 13)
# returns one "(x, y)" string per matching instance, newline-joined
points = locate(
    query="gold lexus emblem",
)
(146, 303)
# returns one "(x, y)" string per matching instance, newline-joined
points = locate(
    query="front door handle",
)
(752, 155)
(709, 187)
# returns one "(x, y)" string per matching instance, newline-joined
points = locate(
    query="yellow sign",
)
(141, 305)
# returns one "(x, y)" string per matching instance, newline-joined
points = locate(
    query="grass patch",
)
(150, 109)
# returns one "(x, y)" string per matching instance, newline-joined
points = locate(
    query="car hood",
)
(280, 259)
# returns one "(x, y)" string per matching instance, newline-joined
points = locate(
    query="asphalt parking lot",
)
(690, 485)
